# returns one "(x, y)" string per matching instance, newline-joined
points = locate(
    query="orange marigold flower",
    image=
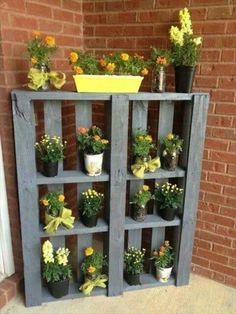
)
(36, 34)
(50, 41)
(162, 249)
(161, 253)
(74, 57)
(161, 60)
(91, 269)
(102, 63)
(33, 60)
(78, 70)
(144, 72)
(124, 56)
(61, 198)
(110, 67)
(96, 137)
(82, 130)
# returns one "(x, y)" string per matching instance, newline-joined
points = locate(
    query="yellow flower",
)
(33, 60)
(50, 41)
(104, 141)
(185, 21)
(197, 41)
(110, 67)
(140, 138)
(36, 34)
(161, 253)
(45, 202)
(170, 136)
(124, 56)
(145, 188)
(148, 138)
(91, 269)
(176, 36)
(102, 63)
(73, 57)
(144, 72)
(61, 198)
(96, 137)
(47, 250)
(88, 251)
(167, 243)
(78, 70)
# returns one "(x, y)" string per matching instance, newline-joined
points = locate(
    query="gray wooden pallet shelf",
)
(116, 228)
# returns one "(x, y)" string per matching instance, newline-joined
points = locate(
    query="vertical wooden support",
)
(196, 144)
(83, 118)
(118, 170)
(53, 126)
(139, 120)
(24, 130)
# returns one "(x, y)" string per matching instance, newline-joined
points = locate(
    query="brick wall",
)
(135, 25)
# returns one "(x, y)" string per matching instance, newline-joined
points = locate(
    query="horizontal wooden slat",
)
(148, 281)
(71, 176)
(151, 221)
(159, 174)
(79, 228)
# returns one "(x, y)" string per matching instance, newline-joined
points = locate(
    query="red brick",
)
(228, 211)
(230, 281)
(217, 219)
(227, 83)
(223, 269)
(216, 13)
(223, 157)
(88, 7)
(18, 5)
(206, 82)
(120, 43)
(216, 144)
(215, 238)
(220, 249)
(225, 109)
(63, 15)
(232, 169)
(211, 187)
(218, 277)
(23, 22)
(212, 256)
(72, 5)
(3, 298)
(222, 179)
(200, 261)
(39, 10)
(50, 26)
(214, 208)
(222, 95)
(202, 271)
(95, 19)
(203, 244)
(228, 55)
(114, 6)
(214, 28)
(95, 42)
(223, 133)
(226, 231)
(154, 16)
(231, 26)
(219, 41)
(218, 69)
(210, 55)
(230, 190)
(9, 34)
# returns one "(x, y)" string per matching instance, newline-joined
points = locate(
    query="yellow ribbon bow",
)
(141, 166)
(38, 78)
(90, 284)
(65, 218)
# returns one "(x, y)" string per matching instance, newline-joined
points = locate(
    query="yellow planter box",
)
(107, 83)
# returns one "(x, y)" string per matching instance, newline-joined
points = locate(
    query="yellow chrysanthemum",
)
(102, 63)
(45, 202)
(61, 198)
(148, 138)
(145, 188)
(170, 136)
(144, 72)
(185, 21)
(88, 251)
(33, 60)
(91, 269)
(124, 56)
(78, 70)
(74, 57)
(176, 36)
(50, 41)
(110, 67)
(47, 250)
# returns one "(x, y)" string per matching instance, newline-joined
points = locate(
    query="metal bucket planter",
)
(139, 212)
(169, 162)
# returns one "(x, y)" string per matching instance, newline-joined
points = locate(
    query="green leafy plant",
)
(91, 202)
(142, 144)
(164, 256)
(90, 141)
(168, 195)
(53, 202)
(93, 262)
(112, 64)
(134, 259)
(39, 49)
(142, 196)
(160, 58)
(171, 144)
(185, 47)
(55, 263)
(50, 149)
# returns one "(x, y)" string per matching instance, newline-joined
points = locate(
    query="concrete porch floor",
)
(202, 296)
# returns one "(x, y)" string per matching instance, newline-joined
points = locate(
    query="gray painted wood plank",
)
(197, 135)
(118, 169)
(148, 281)
(158, 236)
(159, 174)
(83, 241)
(24, 131)
(135, 238)
(151, 221)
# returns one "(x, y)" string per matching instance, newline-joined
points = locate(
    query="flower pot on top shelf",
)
(50, 150)
(115, 73)
(133, 259)
(185, 52)
(139, 203)
(169, 198)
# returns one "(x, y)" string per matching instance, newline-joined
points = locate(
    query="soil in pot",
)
(59, 289)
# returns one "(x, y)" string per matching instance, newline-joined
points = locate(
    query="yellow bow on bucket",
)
(65, 218)
(38, 78)
(90, 284)
(141, 166)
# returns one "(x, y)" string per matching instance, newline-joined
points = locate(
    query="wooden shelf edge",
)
(151, 221)
(159, 174)
(148, 281)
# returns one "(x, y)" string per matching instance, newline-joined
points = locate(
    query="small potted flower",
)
(185, 52)
(92, 144)
(139, 202)
(163, 261)
(56, 270)
(141, 148)
(171, 148)
(56, 214)
(134, 260)
(160, 60)
(91, 205)
(169, 199)
(92, 268)
(50, 150)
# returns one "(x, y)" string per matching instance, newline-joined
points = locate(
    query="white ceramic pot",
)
(93, 164)
(163, 274)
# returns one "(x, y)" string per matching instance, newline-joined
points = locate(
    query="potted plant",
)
(91, 205)
(163, 261)
(50, 150)
(113, 73)
(171, 147)
(139, 202)
(134, 259)
(92, 268)
(185, 52)
(169, 198)
(142, 161)
(92, 144)
(56, 270)
(39, 51)
(160, 60)
(56, 213)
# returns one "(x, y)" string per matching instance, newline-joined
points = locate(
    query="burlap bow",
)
(65, 218)
(90, 284)
(140, 167)
(38, 78)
